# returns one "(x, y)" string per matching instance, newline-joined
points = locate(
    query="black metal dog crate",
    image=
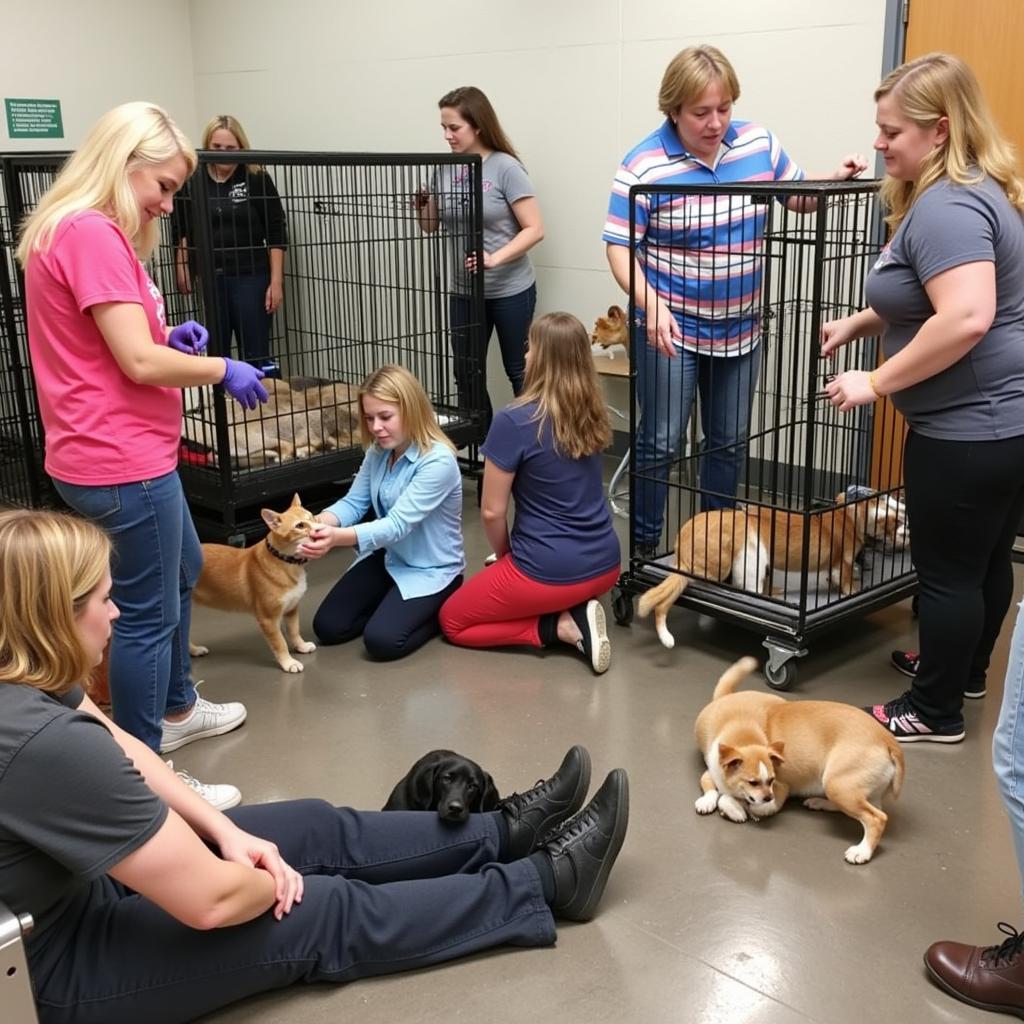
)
(363, 286)
(796, 256)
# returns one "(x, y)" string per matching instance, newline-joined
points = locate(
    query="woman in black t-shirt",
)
(249, 235)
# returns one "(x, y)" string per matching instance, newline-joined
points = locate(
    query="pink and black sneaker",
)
(900, 718)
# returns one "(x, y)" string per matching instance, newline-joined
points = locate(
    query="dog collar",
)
(290, 559)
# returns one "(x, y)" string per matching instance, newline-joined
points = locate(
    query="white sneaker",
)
(221, 797)
(206, 719)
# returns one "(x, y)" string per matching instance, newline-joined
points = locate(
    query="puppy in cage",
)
(302, 417)
(748, 543)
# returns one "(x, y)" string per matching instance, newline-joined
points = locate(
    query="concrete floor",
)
(703, 920)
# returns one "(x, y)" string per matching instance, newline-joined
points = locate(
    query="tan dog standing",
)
(612, 329)
(748, 542)
(761, 749)
(267, 579)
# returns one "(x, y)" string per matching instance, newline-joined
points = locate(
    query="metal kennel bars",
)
(752, 271)
(364, 285)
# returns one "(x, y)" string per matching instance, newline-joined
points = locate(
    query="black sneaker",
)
(584, 849)
(533, 815)
(907, 662)
(903, 721)
(594, 644)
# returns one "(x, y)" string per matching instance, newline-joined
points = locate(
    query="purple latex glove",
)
(189, 337)
(242, 382)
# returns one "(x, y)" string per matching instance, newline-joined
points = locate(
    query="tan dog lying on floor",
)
(761, 749)
(267, 579)
(612, 329)
(746, 543)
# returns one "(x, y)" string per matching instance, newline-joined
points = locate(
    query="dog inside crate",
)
(302, 417)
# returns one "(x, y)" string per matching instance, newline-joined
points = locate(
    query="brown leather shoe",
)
(989, 977)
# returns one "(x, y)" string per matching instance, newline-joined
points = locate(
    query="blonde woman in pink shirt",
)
(109, 373)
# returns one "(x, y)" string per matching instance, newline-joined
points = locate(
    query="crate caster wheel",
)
(781, 677)
(780, 668)
(622, 607)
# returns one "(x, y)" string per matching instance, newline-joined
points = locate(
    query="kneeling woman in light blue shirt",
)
(410, 557)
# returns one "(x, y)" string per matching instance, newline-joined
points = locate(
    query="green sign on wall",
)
(34, 119)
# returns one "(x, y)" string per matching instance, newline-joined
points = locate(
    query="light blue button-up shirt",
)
(418, 504)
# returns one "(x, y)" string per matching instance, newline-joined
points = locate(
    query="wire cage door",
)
(783, 514)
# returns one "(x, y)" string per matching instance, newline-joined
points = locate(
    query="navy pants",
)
(384, 892)
(366, 602)
(964, 505)
(242, 311)
(511, 316)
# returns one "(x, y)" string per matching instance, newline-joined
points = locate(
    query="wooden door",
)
(988, 35)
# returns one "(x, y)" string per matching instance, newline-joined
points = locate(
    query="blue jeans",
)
(384, 892)
(157, 560)
(665, 389)
(241, 309)
(511, 316)
(1008, 741)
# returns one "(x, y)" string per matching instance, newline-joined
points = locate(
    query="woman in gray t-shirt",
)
(947, 297)
(512, 226)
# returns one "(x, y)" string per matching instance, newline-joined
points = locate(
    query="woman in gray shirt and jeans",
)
(947, 297)
(512, 226)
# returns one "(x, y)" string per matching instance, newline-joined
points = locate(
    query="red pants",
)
(501, 606)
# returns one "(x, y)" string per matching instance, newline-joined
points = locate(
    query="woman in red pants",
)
(562, 553)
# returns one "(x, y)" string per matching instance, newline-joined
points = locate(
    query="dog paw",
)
(730, 808)
(291, 665)
(819, 803)
(305, 647)
(707, 804)
(859, 854)
(196, 651)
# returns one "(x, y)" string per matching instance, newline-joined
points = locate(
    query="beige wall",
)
(574, 82)
(93, 55)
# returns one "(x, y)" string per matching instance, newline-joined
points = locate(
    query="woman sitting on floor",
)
(409, 557)
(150, 905)
(545, 450)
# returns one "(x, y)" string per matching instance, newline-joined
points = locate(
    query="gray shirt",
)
(504, 183)
(72, 806)
(981, 396)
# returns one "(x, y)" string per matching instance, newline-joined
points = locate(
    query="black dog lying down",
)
(445, 782)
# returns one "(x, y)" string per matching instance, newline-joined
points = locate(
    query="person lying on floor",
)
(151, 905)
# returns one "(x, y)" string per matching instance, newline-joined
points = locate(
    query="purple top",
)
(562, 531)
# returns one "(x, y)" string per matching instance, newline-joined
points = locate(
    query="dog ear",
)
(271, 518)
(729, 757)
(296, 501)
(777, 748)
(489, 799)
(423, 786)
(616, 313)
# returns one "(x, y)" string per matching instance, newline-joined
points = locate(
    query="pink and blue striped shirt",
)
(702, 254)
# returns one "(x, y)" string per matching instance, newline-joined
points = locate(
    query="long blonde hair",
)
(96, 177)
(941, 85)
(50, 563)
(561, 379)
(231, 124)
(397, 386)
